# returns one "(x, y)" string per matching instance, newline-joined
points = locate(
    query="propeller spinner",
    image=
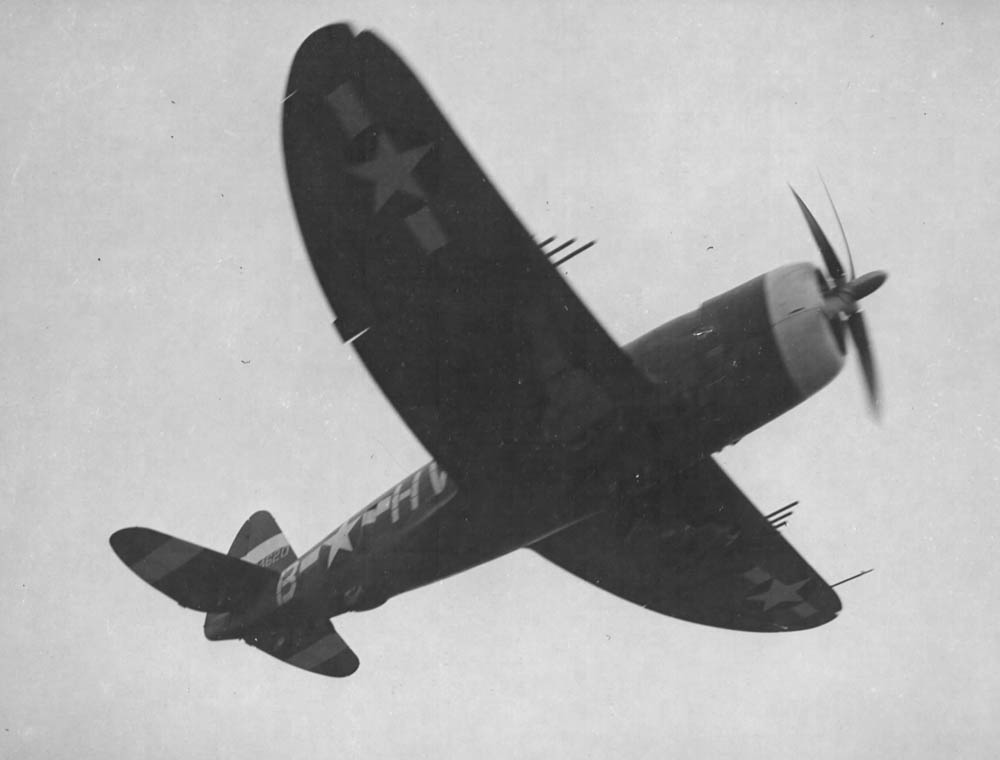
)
(841, 300)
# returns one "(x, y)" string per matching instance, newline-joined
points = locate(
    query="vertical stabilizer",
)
(261, 542)
(309, 643)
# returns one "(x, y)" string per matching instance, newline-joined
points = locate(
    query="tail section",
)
(238, 591)
(302, 640)
(259, 542)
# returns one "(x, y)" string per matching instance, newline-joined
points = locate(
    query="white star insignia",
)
(779, 592)
(341, 539)
(391, 171)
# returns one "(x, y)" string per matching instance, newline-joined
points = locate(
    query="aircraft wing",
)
(697, 549)
(476, 340)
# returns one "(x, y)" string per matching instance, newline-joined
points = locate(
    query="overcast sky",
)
(168, 361)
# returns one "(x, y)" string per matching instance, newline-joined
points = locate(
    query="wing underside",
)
(476, 340)
(697, 549)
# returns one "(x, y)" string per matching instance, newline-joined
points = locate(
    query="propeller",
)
(841, 300)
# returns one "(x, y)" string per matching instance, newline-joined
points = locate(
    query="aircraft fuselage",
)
(423, 529)
(738, 361)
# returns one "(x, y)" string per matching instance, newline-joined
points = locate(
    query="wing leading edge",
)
(479, 344)
(697, 549)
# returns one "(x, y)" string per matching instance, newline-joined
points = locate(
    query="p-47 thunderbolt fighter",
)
(544, 433)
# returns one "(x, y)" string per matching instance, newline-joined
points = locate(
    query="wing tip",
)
(343, 665)
(331, 43)
(312, 61)
(132, 544)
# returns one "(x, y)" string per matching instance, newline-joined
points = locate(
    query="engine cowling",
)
(745, 356)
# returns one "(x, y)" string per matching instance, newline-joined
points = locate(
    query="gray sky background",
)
(150, 249)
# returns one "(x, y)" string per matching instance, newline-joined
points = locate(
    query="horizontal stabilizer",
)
(191, 575)
(310, 644)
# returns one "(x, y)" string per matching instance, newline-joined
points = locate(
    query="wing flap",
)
(697, 549)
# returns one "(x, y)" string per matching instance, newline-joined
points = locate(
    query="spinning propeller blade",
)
(843, 235)
(833, 265)
(842, 299)
(856, 324)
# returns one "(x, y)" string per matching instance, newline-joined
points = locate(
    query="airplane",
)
(544, 432)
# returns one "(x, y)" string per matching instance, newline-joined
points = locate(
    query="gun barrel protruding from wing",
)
(779, 517)
(563, 246)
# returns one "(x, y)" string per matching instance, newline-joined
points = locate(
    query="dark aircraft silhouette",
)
(544, 433)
